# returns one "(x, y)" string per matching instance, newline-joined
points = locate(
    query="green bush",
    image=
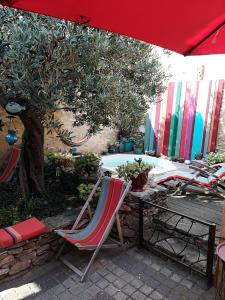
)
(85, 190)
(215, 158)
(87, 164)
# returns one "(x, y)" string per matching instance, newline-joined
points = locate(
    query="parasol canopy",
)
(193, 27)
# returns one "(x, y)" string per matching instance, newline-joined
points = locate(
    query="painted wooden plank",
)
(168, 117)
(159, 128)
(147, 132)
(206, 116)
(174, 126)
(185, 120)
(152, 120)
(191, 119)
(180, 119)
(213, 116)
(172, 133)
(209, 117)
(163, 120)
(202, 102)
(218, 104)
(157, 116)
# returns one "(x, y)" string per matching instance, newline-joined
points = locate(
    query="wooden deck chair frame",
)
(114, 218)
(202, 170)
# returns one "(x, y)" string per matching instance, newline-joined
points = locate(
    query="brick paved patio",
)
(118, 274)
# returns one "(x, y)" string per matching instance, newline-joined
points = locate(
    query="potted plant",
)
(138, 147)
(199, 156)
(128, 144)
(150, 153)
(137, 172)
(113, 147)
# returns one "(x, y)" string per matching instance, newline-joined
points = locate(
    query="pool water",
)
(161, 165)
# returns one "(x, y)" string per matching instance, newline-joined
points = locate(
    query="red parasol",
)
(191, 27)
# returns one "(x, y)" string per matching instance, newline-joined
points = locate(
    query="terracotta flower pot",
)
(139, 182)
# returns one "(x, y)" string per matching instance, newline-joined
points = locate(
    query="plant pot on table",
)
(139, 182)
(138, 150)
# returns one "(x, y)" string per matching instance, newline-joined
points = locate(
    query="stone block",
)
(26, 256)
(15, 251)
(39, 260)
(47, 240)
(30, 245)
(3, 255)
(43, 249)
(4, 271)
(21, 244)
(8, 260)
(19, 267)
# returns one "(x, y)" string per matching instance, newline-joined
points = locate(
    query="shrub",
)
(87, 164)
(215, 158)
(85, 190)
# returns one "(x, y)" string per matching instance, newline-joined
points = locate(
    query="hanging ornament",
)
(11, 137)
(14, 107)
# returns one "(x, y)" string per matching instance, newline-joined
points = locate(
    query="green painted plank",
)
(174, 119)
(147, 132)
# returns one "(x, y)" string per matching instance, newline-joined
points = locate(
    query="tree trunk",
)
(31, 171)
(33, 153)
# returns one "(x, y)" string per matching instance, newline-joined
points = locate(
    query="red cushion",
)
(22, 231)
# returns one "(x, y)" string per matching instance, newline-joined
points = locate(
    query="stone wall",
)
(16, 260)
(97, 143)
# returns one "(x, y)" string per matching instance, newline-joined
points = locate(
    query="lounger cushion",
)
(22, 231)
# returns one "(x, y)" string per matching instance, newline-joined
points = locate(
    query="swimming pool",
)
(161, 165)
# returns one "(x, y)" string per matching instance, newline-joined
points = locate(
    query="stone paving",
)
(116, 275)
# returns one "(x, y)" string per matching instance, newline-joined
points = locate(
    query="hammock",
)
(70, 143)
(15, 156)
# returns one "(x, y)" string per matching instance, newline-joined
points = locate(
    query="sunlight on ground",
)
(21, 292)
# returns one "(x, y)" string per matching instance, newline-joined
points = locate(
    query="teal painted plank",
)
(200, 118)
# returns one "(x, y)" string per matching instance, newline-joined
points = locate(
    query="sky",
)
(188, 68)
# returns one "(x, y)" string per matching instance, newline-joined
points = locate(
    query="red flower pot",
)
(139, 182)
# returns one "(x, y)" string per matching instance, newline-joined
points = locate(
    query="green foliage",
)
(113, 143)
(13, 208)
(85, 190)
(130, 170)
(87, 164)
(104, 79)
(59, 158)
(215, 158)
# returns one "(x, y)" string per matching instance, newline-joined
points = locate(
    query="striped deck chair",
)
(94, 236)
(14, 158)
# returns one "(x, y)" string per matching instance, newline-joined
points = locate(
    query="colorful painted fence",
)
(185, 122)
